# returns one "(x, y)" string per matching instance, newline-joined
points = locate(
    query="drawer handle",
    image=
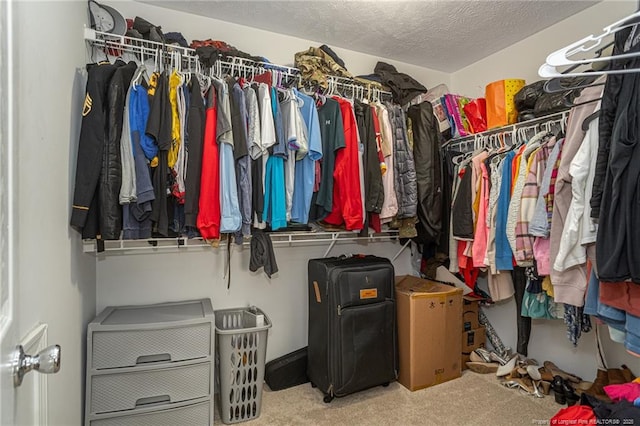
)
(153, 400)
(153, 358)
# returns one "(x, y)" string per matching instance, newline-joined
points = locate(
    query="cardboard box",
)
(470, 313)
(429, 328)
(472, 339)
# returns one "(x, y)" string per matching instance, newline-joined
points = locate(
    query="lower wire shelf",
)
(277, 238)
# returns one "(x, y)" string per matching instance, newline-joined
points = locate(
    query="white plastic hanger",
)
(561, 56)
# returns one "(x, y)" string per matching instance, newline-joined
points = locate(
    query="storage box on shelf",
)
(150, 365)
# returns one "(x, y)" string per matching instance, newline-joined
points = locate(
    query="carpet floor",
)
(473, 399)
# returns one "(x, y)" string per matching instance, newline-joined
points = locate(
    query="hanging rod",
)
(248, 67)
(277, 238)
(559, 116)
(132, 44)
(355, 85)
(250, 63)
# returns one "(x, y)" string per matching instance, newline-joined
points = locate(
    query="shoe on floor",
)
(532, 371)
(628, 375)
(474, 357)
(555, 371)
(483, 367)
(507, 368)
(480, 355)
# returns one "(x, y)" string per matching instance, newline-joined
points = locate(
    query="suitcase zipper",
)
(339, 310)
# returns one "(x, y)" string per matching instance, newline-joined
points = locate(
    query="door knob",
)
(46, 361)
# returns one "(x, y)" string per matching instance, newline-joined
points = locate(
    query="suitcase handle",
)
(347, 256)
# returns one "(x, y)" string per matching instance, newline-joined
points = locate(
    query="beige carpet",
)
(473, 399)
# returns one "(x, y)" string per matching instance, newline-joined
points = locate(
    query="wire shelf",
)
(277, 238)
(560, 117)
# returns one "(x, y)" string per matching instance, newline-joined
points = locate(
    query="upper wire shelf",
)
(116, 44)
(523, 126)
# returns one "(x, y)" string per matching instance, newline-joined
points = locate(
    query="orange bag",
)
(501, 109)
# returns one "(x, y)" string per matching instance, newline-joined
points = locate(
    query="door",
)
(25, 404)
(8, 317)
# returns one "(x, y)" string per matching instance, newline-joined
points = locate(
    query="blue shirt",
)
(305, 168)
(504, 255)
(275, 204)
(139, 115)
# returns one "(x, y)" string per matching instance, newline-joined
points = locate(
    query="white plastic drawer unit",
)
(193, 414)
(151, 365)
(115, 349)
(130, 336)
(134, 388)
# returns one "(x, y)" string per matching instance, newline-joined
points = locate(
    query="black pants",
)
(524, 323)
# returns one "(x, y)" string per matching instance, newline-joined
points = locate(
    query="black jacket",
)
(373, 189)
(618, 241)
(608, 112)
(403, 86)
(111, 174)
(426, 156)
(93, 134)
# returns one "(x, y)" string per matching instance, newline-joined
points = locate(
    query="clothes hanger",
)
(555, 84)
(600, 65)
(561, 57)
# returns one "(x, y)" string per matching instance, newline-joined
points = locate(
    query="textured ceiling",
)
(442, 35)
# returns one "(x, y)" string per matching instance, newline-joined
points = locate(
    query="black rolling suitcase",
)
(352, 324)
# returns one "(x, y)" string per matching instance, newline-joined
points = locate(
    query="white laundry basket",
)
(241, 346)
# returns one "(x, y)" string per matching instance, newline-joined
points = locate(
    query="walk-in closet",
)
(319, 212)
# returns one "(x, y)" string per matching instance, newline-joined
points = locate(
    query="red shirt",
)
(347, 197)
(208, 221)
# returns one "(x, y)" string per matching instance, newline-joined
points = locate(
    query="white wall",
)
(56, 281)
(522, 60)
(278, 48)
(153, 278)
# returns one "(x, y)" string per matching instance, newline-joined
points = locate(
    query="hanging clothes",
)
(231, 218)
(373, 191)
(209, 208)
(333, 139)
(405, 171)
(136, 216)
(426, 155)
(275, 203)
(159, 128)
(570, 285)
(347, 198)
(305, 167)
(196, 123)
(242, 145)
(390, 203)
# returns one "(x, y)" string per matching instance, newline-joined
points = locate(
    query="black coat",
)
(426, 156)
(111, 174)
(93, 134)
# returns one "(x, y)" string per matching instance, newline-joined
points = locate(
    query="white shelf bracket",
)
(334, 239)
(401, 250)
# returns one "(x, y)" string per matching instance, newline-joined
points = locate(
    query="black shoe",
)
(563, 392)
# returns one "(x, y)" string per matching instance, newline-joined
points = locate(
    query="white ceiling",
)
(442, 35)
